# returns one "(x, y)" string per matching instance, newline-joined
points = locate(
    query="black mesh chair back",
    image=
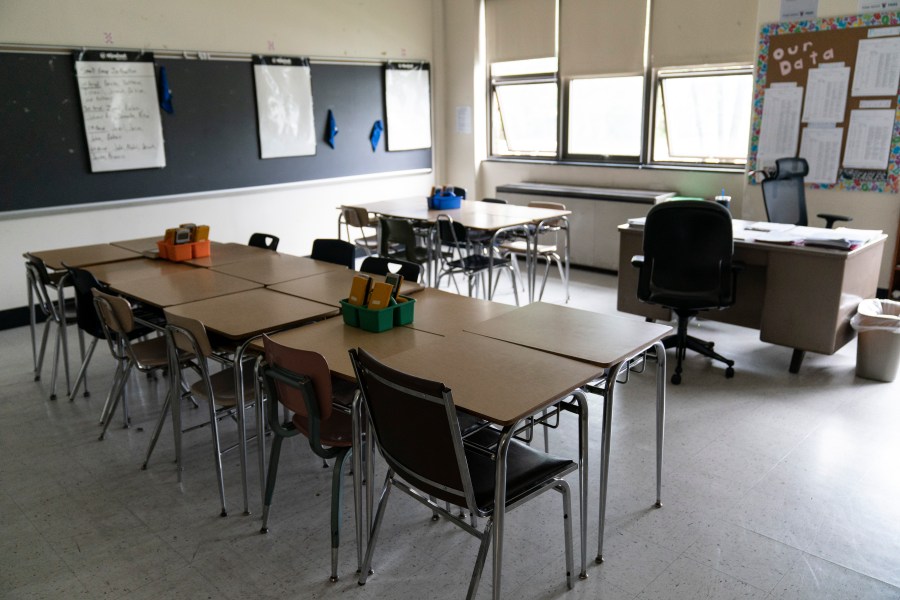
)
(264, 240)
(379, 265)
(785, 198)
(338, 252)
(783, 193)
(687, 266)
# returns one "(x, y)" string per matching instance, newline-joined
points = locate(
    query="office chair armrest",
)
(637, 261)
(831, 218)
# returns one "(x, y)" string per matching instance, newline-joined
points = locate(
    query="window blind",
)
(520, 29)
(600, 37)
(697, 32)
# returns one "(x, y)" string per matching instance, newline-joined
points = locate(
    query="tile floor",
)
(775, 486)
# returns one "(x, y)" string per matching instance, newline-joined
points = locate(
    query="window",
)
(605, 116)
(524, 100)
(702, 117)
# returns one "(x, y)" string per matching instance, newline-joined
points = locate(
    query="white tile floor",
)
(775, 486)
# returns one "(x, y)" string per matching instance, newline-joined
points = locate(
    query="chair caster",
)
(676, 379)
(435, 517)
(729, 372)
(224, 513)
(53, 396)
(333, 579)
(264, 530)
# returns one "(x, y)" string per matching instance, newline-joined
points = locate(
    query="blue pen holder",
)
(444, 201)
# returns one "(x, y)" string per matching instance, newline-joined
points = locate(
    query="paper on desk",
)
(766, 226)
(859, 235)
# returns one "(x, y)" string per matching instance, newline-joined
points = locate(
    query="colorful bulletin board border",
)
(848, 179)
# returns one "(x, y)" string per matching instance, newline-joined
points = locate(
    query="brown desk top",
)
(274, 268)
(331, 287)
(493, 379)
(223, 254)
(182, 287)
(139, 245)
(333, 339)
(141, 268)
(445, 313)
(245, 314)
(475, 215)
(598, 339)
(82, 256)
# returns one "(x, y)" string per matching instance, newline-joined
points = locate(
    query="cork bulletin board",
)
(832, 91)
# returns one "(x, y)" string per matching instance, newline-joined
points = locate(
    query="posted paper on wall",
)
(780, 127)
(821, 147)
(408, 106)
(121, 114)
(869, 139)
(826, 94)
(284, 106)
(877, 67)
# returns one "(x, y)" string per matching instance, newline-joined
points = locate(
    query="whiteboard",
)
(284, 106)
(408, 106)
(121, 115)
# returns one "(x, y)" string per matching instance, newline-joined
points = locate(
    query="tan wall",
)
(380, 29)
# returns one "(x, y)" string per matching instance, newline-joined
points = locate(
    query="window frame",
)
(541, 76)
(660, 75)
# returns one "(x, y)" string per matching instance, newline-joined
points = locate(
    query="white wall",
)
(381, 29)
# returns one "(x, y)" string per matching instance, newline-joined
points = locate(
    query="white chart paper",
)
(826, 94)
(821, 147)
(284, 108)
(408, 108)
(780, 126)
(121, 116)
(877, 67)
(869, 139)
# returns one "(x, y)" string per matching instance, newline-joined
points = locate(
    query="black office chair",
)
(687, 267)
(338, 252)
(378, 265)
(784, 195)
(264, 240)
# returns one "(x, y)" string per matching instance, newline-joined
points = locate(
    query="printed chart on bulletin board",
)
(827, 90)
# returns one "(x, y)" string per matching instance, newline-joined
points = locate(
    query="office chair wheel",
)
(676, 379)
(729, 372)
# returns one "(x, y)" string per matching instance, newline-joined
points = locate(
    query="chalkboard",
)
(211, 139)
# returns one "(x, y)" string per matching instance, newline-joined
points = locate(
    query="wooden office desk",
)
(223, 254)
(82, 256)
(140, 245)
(502, 383)
(445, 313)
(799, 297)
(332, 286)
(141, 268)
(274, 268)
(182, 287)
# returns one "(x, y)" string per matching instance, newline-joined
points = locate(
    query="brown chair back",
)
(300, 362)
(114, 311)
(196, 329)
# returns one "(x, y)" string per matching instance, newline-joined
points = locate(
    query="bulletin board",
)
(832, 91)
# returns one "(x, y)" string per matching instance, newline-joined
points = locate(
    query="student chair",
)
(417, 431)
(379, 265)
(338, 252)
(188, 346)
(57, 313)
(784, 195)
(551, 251)
(301, 382)
(118, 321)
(264, 240)
(687, 267)
(360, 219)
(400, 240)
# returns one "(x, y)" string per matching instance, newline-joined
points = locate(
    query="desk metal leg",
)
(500, 507)
(242, 430)
(357, 477)
(32, 324)
(660, 416)
(581, 399)
(604, 456)
(797, 360)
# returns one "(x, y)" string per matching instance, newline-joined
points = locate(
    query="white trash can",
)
(878, 348)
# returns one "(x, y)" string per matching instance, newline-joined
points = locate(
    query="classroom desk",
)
(273, 267)
(444, 313)
(799, 297)
(141, 268)
(182, 287)
(241, 317)
(332, 286)
(605, 341)
(502, 383)
(483, 216)
(223, 254)
(140, 245)
(82, 256)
